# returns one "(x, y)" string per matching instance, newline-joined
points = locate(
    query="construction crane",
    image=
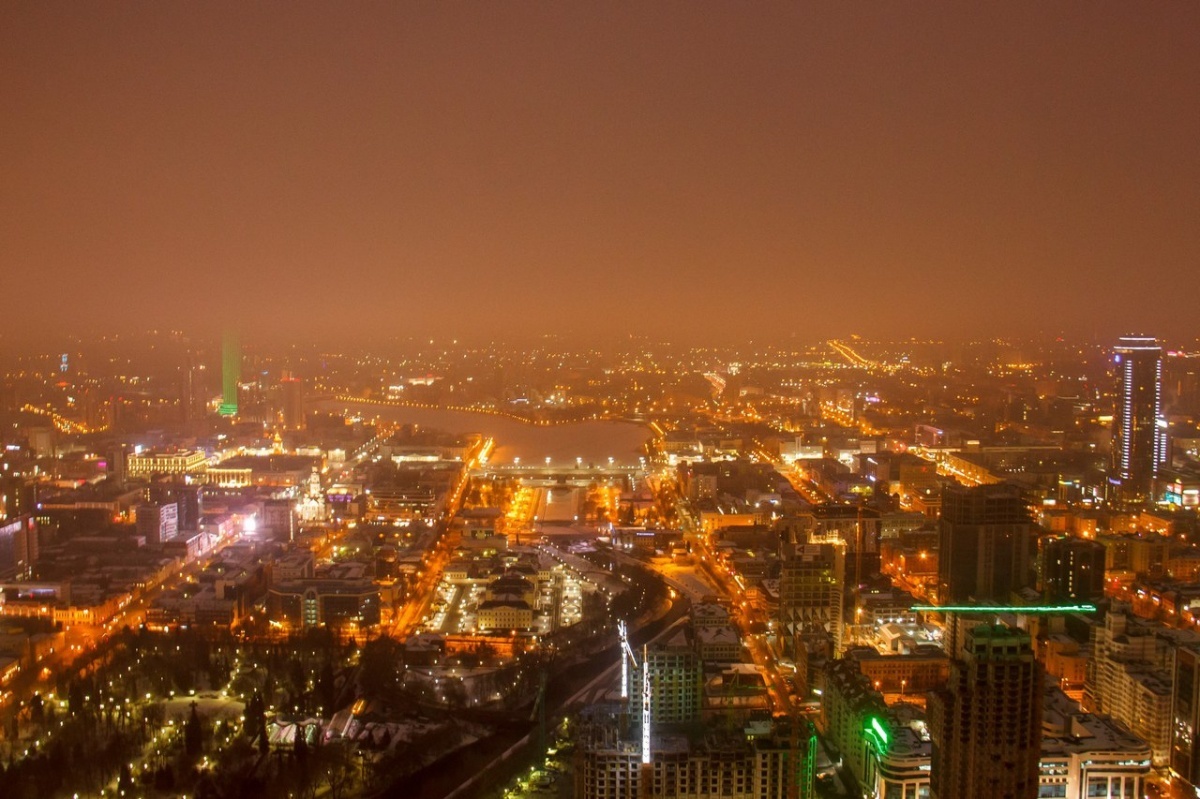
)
(645, 708)
(628, 657)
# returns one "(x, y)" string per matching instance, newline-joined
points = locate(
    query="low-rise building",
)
(180, 462)
(1086, 755)
(332, 602)
(718, 644)
(509, 613)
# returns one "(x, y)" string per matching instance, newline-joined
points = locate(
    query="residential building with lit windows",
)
(712, 764)
(324, 602)
(148, 464)
(1129, 676)
(1185, 715)
(1085, 755)
(18, 546)
(676, 681)
(811, 582)
(158, 522)
(848, 701)
(1072, 570)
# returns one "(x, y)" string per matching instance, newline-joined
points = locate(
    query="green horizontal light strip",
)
(987, 609)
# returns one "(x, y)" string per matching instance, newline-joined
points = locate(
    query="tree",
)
(193, 735)
(327, 687)
(256, 718)
(377, 666)
(75, 698)
(125, 780)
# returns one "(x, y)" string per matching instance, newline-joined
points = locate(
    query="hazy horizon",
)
(504, 170)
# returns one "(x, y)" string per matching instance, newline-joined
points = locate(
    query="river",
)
(594, 442)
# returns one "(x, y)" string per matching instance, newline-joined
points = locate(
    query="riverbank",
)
(558, 418)
(598, 443)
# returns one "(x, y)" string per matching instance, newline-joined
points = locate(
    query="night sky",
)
(691, 170)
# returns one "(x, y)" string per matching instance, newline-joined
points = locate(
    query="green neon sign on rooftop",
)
(876, 730)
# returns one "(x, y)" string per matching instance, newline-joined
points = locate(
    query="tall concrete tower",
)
(986, 724)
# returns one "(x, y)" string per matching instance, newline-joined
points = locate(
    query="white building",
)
(1129, 677)
(1084, 755)
(147, 464)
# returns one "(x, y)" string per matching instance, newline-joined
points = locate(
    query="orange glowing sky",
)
(689, 169)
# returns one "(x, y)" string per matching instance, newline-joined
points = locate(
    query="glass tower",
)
(1139, 441)
(231, 374)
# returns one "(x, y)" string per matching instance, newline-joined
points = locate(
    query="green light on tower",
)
(231, 374)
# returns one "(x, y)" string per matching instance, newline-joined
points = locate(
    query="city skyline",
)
(761, 571)
(819, 170)
(596, 401)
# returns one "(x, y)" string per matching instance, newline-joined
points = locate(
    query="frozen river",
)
(594, 442)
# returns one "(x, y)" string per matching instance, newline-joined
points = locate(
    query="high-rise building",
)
(18, 545)
(1129, 676)
(772, 763)
(986, 724)
(231, 373)
(1139, 430)
(187, 497)
(855, 528)
(191, 389)
(811, 596)
(676, 681)
(848, 704)
(986, 544)
(291, 389)
(1072, 569)
(158, 521)
(1185, 713)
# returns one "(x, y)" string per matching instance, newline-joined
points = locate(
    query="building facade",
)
(721, 764)
(1185, 715)
(676, 681)
(986, 544)
(1072, 570)
(1129, 677)
(985, 725)
(811, 595)
(1139, 440)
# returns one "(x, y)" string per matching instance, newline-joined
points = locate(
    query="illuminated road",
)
(421, 599)
(852, 357)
